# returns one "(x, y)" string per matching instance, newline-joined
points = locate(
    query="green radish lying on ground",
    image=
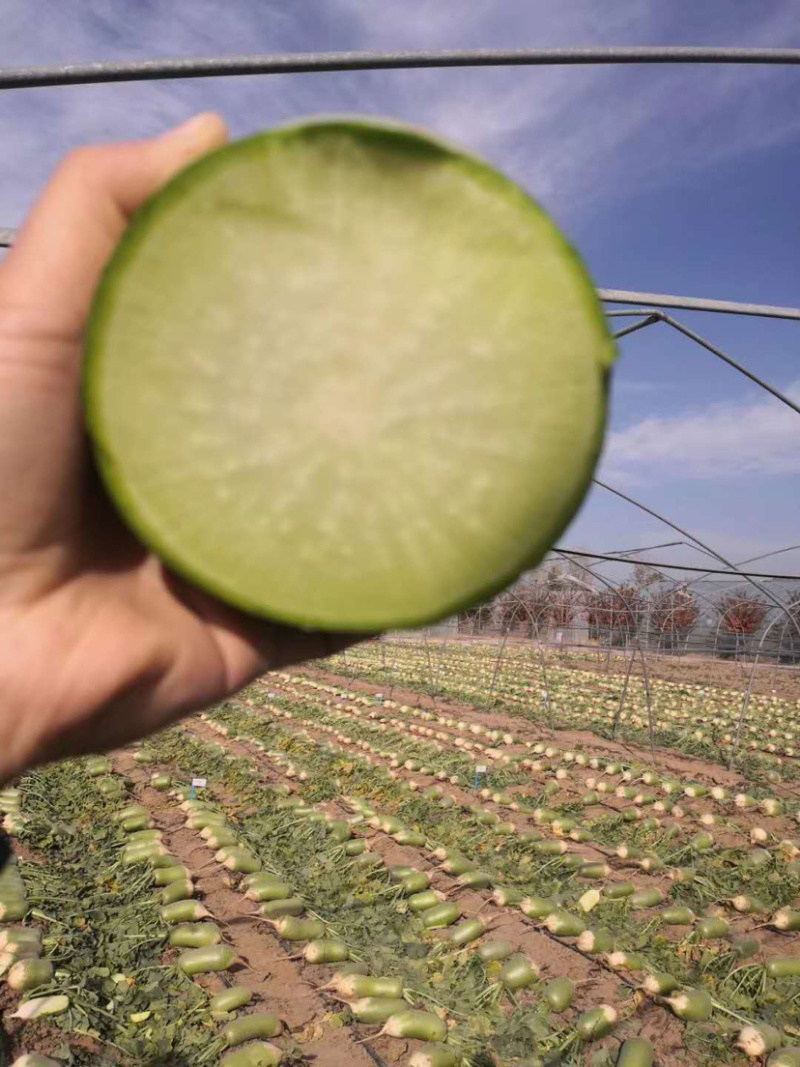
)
(418, 291)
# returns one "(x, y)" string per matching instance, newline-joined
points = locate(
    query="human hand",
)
(99, 644)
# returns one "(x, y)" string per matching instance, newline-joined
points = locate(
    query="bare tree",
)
(614, 613)
(673, 613)
(741, 616)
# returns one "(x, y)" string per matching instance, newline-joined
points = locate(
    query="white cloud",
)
(727, 440)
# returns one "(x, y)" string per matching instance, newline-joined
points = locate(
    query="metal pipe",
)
(325, 62)
(692, 303)
(729, 360)
(736, 573)
(641, 325)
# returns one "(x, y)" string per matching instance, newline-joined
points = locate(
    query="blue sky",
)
(680, 180)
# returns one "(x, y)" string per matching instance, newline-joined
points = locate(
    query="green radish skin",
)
(258, 1025)
(162, 860)
(339, 831)
(20, 935)
(258, 1054)
(201, 820)
(261, 878)
(375, 1010)
(560, 993)
(677, 916)
(230, 999)
(626, 961)
(238, 859)
(183, 911)
(26, 975)
(596, 1023)
(167, 875)
(490, 951)
(551, 848)
(745, 947)
(367, 860)
(410, 837)
(419, 1025)
(465, 932)
(130, 812)
(441, 915)
(785, 1057)
(12, 911)
(649, 897)
(435, 1055)
(145, 835)
(356, 986)
(276, 909)
(455, 866)
(660, 983)
(415, 882)
(594, 870)
(178, 890)
(596, 941)
(748, 905)
(786, 919)
(712, 928)
(518, 973)
(758, 1039)
(537, 907)
(267, 891)
(326, 950)
(636, 1052)
(691, 1005)
(204, 960)
(783, 967)
(564, 924)
(291, 928)
(355, 848)
(137, 822)
(422, 901)
(619, 890)
(37, 1006)
(474, 880)
(195, 935)
(145, 852)
(221, 838)
(505, 896)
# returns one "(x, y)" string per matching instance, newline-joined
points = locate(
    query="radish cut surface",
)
(345, 376)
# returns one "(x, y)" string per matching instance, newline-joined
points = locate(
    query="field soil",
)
(688, 768)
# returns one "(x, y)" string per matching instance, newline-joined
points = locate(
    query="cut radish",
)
(344, 376)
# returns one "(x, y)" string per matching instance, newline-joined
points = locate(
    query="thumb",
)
(75, 225)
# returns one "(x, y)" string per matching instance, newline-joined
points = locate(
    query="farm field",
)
(409, 855)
